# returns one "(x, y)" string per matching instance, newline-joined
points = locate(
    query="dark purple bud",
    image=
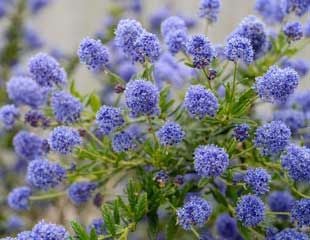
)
(212, 74)
(119, 88)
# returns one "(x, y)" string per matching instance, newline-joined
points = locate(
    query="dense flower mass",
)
(277, 84)
(301, 66)
(250, 210)
(226, 226)
(258, 179)
(8, 115)
(18, 199)
(64, 139)
(81, 192)
(293, 31)
(123, 142)
(296, 161)
(24, 91)
(142, 98)
(292, 118)
(241, 132)
(108, 119)
(299, 7)
(46, 71)
(66, 108)
(239, 48)
(280, 201)
(195, 212)
(210, 161)
(209, 9)
(170, 134)
(200, 102)
(300, 212)
(44, 230)
(200, 50)
(290, 234)
(270, 10)
(43, 174)
(93, 54)
(272, 138)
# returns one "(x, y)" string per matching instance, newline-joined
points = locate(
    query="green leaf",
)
(74, 91)
(108, 220)
(93, 234)
(124, 235)
(171, 228)
(79, 231)
(116, 213)
(94, 102)
(141, 207)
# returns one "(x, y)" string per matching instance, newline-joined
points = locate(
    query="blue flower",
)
(209, 9)
(170, 133)
(36, 5)
(294, 31)
(254, 30)
(14, 223)
(8, 115)
(93, 54)
(258, 179)
(172, 24)
(23, 90)
(32, 39)
(45, 231)
(226, 226)
(142, 98)
(250, 210)
(36, 118)
(126, 34)
(272, 138)
(43, 174)
(290, 234)
(302, 100)
(200, 49)
(200, 102)
(28, 145)
(126, 70)
(108, 119)
(277, 84)
(299, 65)
(161, 178)
(300, 212)
(210, 161)
(98, 225)
(292, 118)
(123, 142)
(241, 132)
(66, 108)
(157, 17)
(299, 7)
(280, 201)
(46, 71)
(195, 212)
(270, 10)
(18, 199)
(63, 139)
(25, 235)
(80, 192)
(296, 160)
(239, 48)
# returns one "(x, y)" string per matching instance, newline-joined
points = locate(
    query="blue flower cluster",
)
(294, 31)
(300, 212)
(299, 7)
(270, 10)
(43, 230)
(195, 212)
(210, 161)
(258, 179)
(241, 132)
(98, 225)
(292, 118)
(80, 192)
(280, 201)
(209, 9)
(226, 226)
(8, 115)
(108, 119)
(239, 48)
(301, 66)
(18, 199)
(290, 234)
(170, 133)
(123, 142)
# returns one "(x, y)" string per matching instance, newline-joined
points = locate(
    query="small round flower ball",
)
(293, 31)
(81, 192)
(170, 133)
(147, 48)
(66, 108)
(63, 139)
(28, 146)
(46, 71)
(296, 161)
(175, 41)
(272, 138)
(44, 175)
(24, 91)
(280, 201)
(258, 179)
(172, 24)
(254, 29)
(226, 226)
(142, 98)
(299, 7)
(98, 225)
(18, 198)
(199, 48)
(200, 102)
(250, 210)
(126, 34)
(9, 115)
(195, 212)
(270, 10)
(93, 54)
(209, 9)
(239, 48)
(277, 84)
(292, 118)
(25, 235)
(123, 142)
(290, 234)
(241, 132)
(44, 230)
(210, 161)
(109, 118)
(300, 212)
